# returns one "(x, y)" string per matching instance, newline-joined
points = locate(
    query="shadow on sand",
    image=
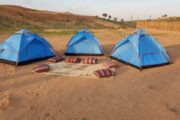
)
(108, 49)
(174, 52)
(60, 52)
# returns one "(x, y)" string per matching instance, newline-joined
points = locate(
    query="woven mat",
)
(74, 69)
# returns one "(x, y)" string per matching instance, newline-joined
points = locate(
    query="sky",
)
(122, 9)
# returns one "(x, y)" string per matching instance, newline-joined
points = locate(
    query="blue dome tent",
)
(140, 50)
(23, 47)
(84, 43)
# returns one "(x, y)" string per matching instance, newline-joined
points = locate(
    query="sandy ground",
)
(151, 94)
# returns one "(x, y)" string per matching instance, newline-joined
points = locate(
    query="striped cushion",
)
(110, 64)
(41, 68)
(89, 60)
(73, 60)
(56, 59)
(104, 73)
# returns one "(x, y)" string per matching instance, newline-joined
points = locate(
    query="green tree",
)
(164, 16)
(109, 17)
(104, 15)
(115, 19)
(122, 20)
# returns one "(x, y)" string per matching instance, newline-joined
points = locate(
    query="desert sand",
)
(151, 94)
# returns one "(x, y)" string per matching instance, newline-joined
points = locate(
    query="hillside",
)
(18, 17)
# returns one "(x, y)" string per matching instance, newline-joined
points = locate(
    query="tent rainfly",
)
(23, 47)
(140, 50)
(84, 43)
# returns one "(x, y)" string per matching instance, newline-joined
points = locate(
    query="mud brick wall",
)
(159, 25)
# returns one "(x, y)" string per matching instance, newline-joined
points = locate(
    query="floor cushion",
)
(41, 68)
(104, 73)
(73, 60)
(56, 59)
(89, 60)
(109, 64)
